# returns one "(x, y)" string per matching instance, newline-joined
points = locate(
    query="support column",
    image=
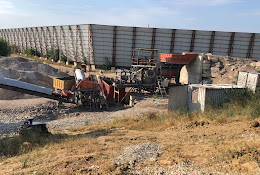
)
(22, 39)
(91, 55)
(114, 47)
(80, 43)
(211, 44)
(173, 41)
(153, 43)
(39, 40)
(251, 46)
(192, 41)
(133, 41)
(35, 42)
(44, 36)
(231, 42)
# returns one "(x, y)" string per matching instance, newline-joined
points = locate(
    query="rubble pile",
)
(28, 71)
(224, 69)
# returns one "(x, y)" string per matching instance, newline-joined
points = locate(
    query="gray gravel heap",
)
(138, 153)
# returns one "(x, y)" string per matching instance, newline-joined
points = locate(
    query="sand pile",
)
(27, 71)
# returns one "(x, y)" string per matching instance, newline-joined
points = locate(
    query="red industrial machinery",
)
(148, 73)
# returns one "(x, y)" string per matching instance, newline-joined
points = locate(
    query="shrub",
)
(107, 65)
(5, 49)
(56, 55)
(31, 52)
(14, 49)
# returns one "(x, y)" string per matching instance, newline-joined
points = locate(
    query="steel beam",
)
(211, 44)
(22, 39)
(48, 34)
(44, 36)
(192, 41)
(251, 46)
(80, 42)
(76, 54)
(67, 47)
(173, 41)
(71, 37)
(91, 55)
(34, 39)
(114, 46)
(133, 40)
(39, 39)
(14, 40)
(153, 42)
(26, 39)
(231, 43)
(29, 36)
(18, 39)
(60, 44)
(4, 32)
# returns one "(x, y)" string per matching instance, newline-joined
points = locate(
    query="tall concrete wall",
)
(98, 43)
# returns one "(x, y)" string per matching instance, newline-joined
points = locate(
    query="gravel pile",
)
(28, 71)
(181, 169)
(138, 153)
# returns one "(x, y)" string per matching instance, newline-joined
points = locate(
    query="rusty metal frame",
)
(48, 34)
(251, 46)
(192, 41)
(22, 39)
(67, 46)
(18, 39)
(133, 40)
(91, 55)
(212, 40)
(45, 40)
(60, 44)
(153, 42)
(14, 41)
(114, 46)
(9, 37)
(29, 36)
(5, 35)
(231, 43)
(34, 39)
(76, 54)
(39, 39)
(80, 42)
(173, 40)
(25, 37)
(71, 37)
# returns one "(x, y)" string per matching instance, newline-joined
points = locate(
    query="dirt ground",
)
(91, 144)
(187, 149)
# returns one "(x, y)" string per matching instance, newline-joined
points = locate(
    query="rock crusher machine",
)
(150, 74)
(83, 92)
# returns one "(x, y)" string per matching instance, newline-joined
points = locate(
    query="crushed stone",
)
(138, 153)
(28, 71)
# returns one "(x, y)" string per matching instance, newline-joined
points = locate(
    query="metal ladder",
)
(161, 89)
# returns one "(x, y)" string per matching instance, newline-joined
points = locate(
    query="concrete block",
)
(178, 97)
(192, 73)
(93, 67)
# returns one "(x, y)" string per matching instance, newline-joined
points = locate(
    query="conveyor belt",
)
(31, 89)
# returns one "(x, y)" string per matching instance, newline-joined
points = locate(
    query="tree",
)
(4, 48)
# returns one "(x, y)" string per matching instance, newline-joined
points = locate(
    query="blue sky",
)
(222, 15)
